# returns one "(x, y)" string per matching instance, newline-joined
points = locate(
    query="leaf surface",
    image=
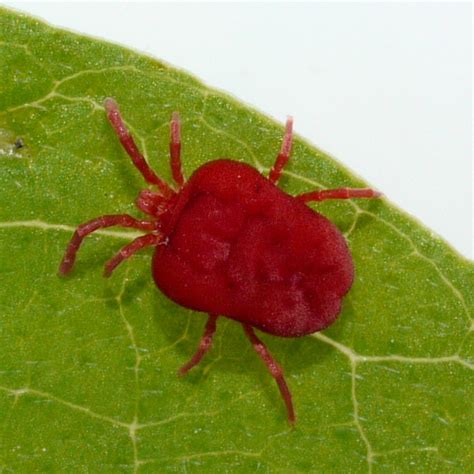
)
(88, 366)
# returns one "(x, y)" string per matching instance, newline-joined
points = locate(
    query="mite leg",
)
(131, 148)
(341, 193)
(175, 150)
(123, 220)
(274, 369)
(204, 345)
(133, 247)
(284, 154)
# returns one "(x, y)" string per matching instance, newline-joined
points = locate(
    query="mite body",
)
(239, 246)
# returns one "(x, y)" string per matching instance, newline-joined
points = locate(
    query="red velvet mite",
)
(229, 242)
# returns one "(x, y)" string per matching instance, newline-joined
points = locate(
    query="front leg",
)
(122, 220)
(127, 141)
(139, 243)
(175, 150)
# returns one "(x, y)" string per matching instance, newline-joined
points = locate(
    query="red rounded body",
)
(238, 246)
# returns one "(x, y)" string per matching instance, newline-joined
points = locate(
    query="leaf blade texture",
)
(88, 366)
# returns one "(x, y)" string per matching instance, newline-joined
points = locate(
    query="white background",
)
(384, 87)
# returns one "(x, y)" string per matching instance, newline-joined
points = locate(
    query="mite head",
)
(152, 203)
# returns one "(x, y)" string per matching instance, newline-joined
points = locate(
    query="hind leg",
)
(274, 368)
(340, 193)
(204, 345)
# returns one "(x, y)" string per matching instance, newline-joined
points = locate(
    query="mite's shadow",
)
(231, 351)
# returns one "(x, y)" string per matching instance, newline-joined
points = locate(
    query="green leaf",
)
(88, 366)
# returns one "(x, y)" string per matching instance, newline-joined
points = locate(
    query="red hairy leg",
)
(131, 248)
(204, 345)
(122, 220)
(340, 193)
(131, 148)
(175, 150)
(284, 154)
(274, 368)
